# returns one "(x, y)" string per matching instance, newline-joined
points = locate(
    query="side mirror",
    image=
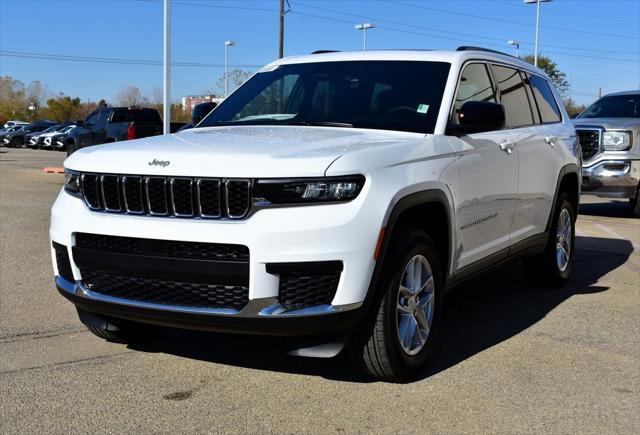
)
(201, 110)
(80, 123)
(477, 117)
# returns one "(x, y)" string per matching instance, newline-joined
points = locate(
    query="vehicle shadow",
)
(478, 315)
(607, 208)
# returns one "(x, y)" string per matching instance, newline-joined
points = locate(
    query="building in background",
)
(191, 100)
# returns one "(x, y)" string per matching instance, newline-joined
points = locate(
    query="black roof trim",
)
(472, 48)
(325, 51)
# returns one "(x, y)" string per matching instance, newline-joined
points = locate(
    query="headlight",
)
(616, 140)
(72, 182)
(308, 190)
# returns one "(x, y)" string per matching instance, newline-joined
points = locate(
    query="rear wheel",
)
(399, 333)
(635, 203)
(71, 148)
(553, 267)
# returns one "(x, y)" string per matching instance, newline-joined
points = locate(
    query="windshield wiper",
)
(321, 123)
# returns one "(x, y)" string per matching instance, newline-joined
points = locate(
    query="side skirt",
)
(532, 246)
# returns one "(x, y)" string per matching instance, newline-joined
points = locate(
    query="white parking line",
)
(615, 235)
(580, 233)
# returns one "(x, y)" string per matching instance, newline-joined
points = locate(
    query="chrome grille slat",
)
(110, 189)
(132, 194)
(183, 197)
(157, 198)
(179, 201)
(237, 197)
(208, 198)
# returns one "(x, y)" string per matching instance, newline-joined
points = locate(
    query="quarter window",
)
(549, 111)
(513, 97)
(475, 85)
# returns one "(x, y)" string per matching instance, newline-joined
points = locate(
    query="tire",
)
(635, 203)
(550, 268)
(375, 348)
(71, 148)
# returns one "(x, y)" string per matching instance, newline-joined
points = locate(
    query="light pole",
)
(166, 100)
(517, 45)
(364, 27)
(227, 44)
(537, 2)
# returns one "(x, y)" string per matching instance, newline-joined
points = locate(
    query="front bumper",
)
(611, 178)
(324, 233)
(260, 316)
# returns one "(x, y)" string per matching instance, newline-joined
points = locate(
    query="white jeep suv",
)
(333, 198)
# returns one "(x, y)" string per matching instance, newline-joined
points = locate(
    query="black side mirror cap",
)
(79, 123)
(478, 117)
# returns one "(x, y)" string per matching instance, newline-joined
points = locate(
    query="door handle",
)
(551, 140)
(507, 146)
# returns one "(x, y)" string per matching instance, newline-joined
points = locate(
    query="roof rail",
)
(325, 51)
(472, 48)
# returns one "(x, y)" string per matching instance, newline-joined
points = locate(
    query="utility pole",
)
(281, 42)
(537, 2)
(166, 82)
(283, 12)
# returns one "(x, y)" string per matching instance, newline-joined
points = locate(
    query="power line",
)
(502, 40)
(412, 32)
(110, 60)
(520, 23)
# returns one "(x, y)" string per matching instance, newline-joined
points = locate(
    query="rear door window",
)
(513, 97)
(547, 106)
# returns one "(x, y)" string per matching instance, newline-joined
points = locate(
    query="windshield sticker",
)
(422, 108)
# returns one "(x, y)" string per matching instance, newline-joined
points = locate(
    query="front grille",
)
(166, 292)
(62, 262)
(302, 290)
(183, 197)
(163, 248)
(590, 143)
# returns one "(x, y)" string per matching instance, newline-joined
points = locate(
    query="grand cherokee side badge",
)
(163, 163)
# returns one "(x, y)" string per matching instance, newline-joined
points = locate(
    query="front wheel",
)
(399, 333)
(553, 267)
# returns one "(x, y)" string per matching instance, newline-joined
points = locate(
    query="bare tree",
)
(236, 78)
(129, 96)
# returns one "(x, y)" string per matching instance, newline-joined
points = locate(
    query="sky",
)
(93, 48)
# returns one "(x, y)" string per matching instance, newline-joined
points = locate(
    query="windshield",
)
(52, 128)
(618, 106)
(388, 95)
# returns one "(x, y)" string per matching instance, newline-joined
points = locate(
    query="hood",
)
(237, 151)
(608, 123)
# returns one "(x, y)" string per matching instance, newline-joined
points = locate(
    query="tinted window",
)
(92, 118)
(136, 115)
(617, 106)
(513, 97)
(388, 95)
(474, 85)
(547, 106)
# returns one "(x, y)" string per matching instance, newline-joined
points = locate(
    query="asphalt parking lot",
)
(512, 358)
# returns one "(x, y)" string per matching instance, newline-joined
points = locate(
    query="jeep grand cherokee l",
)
(333, 196)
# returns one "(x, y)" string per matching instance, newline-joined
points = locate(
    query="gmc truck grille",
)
(164, 272)
(184, 197)
(590, 142)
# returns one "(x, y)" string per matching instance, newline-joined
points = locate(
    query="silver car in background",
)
(609, 132)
